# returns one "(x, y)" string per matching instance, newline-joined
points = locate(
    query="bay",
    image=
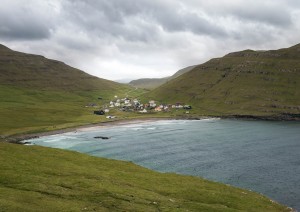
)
(263, 156)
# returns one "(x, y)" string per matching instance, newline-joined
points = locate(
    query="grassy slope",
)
(244, 83)
(38, 94)
(151, 83)
(36, 178)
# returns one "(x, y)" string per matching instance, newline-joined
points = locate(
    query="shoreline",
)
(18, 139)
(121, 122)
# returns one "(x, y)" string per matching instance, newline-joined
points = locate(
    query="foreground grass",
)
(36, 178)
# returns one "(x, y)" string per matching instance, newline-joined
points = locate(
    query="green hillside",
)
(46, 179)
(38, 94)
(151, 83)
(255, 83)
(34, 71)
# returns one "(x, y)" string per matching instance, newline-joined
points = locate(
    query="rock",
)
(102, 137)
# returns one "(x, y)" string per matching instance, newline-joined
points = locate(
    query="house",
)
(158, 109)
(143, 111)
(99, 112)
(152, 104)
(106, 110)
(187, 107)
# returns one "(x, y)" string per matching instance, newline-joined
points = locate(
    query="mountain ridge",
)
(151, 83)
(246, 82)
(39, 94)
(37, 71)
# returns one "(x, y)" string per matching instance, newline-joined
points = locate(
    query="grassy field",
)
(26, 110)
(36, 178)
(38, 94)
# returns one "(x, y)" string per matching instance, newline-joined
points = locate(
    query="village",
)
(135, 105)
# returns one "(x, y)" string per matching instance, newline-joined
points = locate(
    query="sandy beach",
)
(20, 139)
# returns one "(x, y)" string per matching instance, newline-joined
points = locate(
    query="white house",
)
(152, 103)
(143, 111)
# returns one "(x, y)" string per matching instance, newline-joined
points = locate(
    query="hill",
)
(151, 83)
(245, 83)
(46, 179)
(39, 94)
(34, 71)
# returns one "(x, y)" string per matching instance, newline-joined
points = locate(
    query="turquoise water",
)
(262, 156)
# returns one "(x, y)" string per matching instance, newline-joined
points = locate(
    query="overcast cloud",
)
(130, 39)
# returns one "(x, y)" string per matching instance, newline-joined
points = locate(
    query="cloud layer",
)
(129, 39)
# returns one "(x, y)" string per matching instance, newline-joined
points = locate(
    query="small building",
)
(158, 109)
(99, 112)
(152, 104)
(143, 111)
(106, 110)
(187, 107)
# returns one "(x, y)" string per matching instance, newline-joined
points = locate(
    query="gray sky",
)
(130, 39)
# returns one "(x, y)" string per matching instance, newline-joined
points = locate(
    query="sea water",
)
(263, 156)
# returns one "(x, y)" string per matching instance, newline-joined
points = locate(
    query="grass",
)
(151, 83)
(39, 95)
(36, 178)
(26, 110)
(241, 83)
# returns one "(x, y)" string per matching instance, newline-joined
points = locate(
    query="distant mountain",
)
(260, 83)
(151, 83)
